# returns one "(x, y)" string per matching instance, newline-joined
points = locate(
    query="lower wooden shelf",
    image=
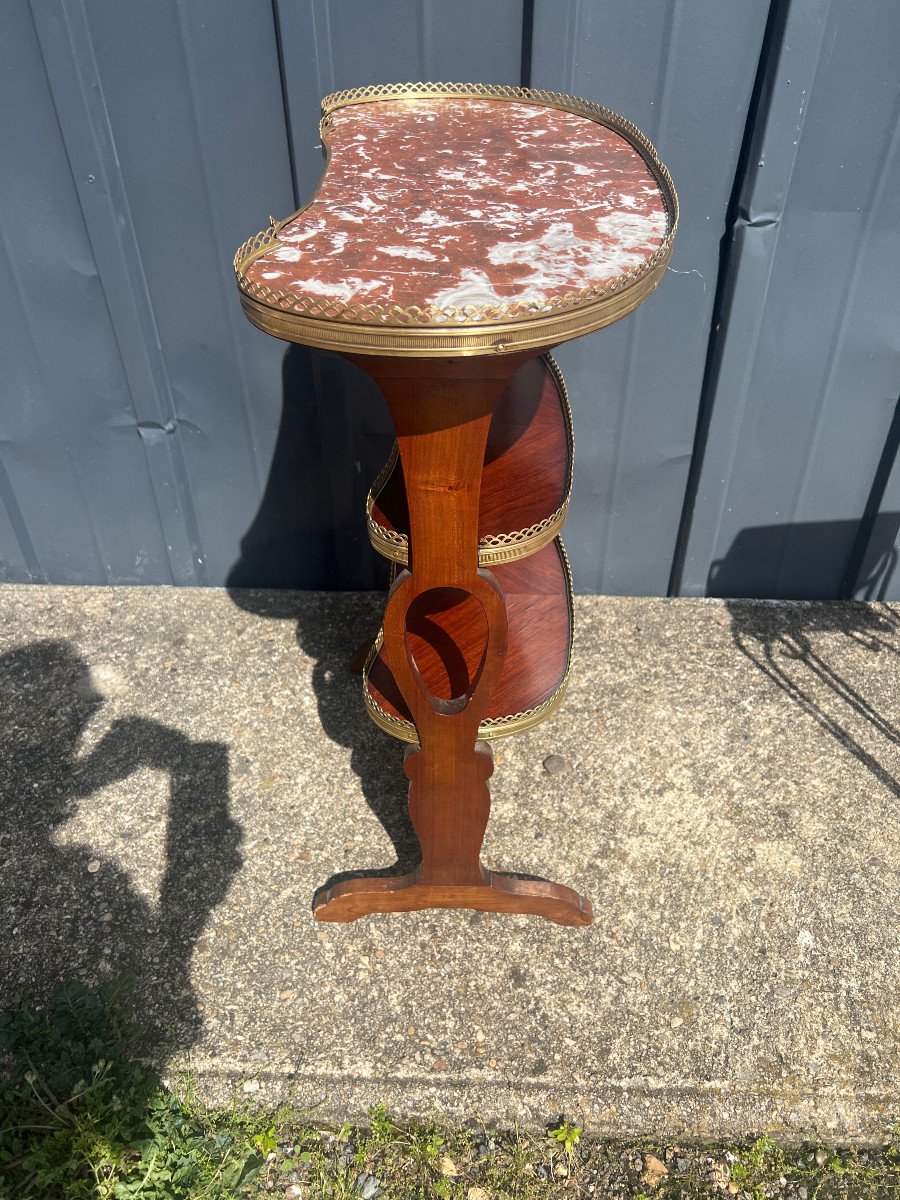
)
(446, 641)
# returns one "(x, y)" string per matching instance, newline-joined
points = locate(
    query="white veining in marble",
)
(451, 202)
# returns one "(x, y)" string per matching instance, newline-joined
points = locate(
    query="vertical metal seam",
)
(137, 284)
(847, 295)
(754, 127)
(285, 102)
(38, 353)
(622, 417)
(326, 29)
(317, 58)
(637, 318)
(36, 572)
(221, 255)
(7, 492)
(663, 92)
(87, 228)
(572, 24)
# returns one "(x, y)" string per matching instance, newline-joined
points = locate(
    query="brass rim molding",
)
(496, 547)
(473, 329)
(494, 727)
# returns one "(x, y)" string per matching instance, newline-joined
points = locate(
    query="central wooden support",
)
(441, 411)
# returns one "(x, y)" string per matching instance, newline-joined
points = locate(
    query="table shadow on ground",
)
(330, 629)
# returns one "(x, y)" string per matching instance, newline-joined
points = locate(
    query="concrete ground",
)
(181, 769)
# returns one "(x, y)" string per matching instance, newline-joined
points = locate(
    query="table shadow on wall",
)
(333, 436)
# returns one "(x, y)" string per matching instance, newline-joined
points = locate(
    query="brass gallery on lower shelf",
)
(494, 727)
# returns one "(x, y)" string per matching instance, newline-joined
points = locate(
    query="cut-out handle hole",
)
(446, 645)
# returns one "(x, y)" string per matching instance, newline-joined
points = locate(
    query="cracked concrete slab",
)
(181, 769)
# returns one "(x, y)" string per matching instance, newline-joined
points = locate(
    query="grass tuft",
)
(80, 1117)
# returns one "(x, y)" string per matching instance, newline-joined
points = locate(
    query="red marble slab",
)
(449, 202)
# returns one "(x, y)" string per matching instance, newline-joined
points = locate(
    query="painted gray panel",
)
(149, 434)
(193, 95)
(327, 46)
(807, 375)
(79, 506)
(684, 73)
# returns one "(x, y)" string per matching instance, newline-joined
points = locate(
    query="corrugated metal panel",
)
(149, 434)
(169, 121)
(807, 373)
(77, 496)
(683, 72)
(194, 103)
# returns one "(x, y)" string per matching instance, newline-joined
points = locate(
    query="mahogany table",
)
(458, 233)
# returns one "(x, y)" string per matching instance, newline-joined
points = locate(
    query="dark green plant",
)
(81, 1118)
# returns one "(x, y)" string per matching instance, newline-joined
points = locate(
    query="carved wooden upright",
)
(458, 232)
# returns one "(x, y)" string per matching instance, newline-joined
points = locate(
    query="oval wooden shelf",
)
(526, 481)
(446, 644)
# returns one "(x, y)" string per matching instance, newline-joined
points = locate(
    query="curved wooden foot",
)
(364, 895)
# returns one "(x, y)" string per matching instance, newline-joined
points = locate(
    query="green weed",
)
(81, 1118)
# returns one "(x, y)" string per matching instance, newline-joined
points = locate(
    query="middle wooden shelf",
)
(526, 481)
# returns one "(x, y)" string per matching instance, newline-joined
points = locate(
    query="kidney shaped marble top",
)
(442, 203)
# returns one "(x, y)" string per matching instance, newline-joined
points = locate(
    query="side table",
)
(458, 232)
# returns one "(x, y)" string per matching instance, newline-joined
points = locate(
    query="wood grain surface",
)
(526, 462)
(444, 636)
(445, 645)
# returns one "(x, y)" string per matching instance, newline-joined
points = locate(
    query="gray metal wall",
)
(737, 435)
(793, 492)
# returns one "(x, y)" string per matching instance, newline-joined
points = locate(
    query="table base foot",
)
(354, 898)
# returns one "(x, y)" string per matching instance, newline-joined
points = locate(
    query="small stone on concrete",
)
(654, 1171)
(366, 1186)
